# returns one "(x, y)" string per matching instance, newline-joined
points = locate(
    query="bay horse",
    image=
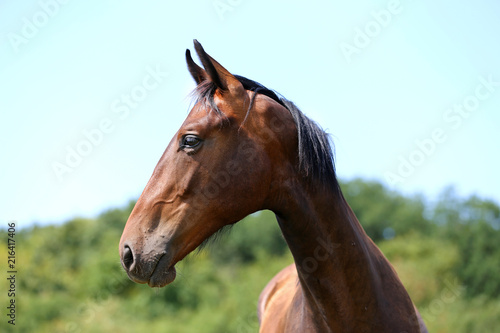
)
(241, 149)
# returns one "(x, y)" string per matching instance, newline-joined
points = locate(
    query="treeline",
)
(447, 254)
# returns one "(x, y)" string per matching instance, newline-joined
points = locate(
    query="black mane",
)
(316, 159)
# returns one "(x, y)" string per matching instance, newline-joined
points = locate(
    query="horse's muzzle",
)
(154, 268)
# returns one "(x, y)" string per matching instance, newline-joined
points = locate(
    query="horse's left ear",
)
(222, 78)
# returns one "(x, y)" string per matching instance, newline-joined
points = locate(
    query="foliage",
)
(417, 257)
(474, 225)
(258, 233)
(383, 213)
(70, 278)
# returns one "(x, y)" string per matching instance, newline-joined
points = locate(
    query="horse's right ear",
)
(198, 73)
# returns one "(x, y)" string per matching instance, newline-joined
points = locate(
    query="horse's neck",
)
(339, 268)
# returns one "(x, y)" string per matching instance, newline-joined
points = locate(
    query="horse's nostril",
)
(128, 257)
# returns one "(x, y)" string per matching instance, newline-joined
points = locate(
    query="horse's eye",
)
(190, 141)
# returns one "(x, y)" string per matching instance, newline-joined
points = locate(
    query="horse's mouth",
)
(163, 274)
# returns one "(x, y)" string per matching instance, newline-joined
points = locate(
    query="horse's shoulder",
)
(279, 287)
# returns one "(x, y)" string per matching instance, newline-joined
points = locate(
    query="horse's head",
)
(224, 163)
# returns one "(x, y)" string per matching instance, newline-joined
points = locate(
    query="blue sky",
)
(92, 92)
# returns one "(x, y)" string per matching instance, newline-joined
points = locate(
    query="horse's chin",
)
(163, 274)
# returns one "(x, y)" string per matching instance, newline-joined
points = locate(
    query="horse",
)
(244, 148)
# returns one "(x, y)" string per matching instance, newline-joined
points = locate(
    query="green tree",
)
(473, 224)
(384, 213)
(70, 277)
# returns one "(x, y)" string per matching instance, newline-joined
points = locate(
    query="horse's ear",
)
(216, 73)
(196, 71)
